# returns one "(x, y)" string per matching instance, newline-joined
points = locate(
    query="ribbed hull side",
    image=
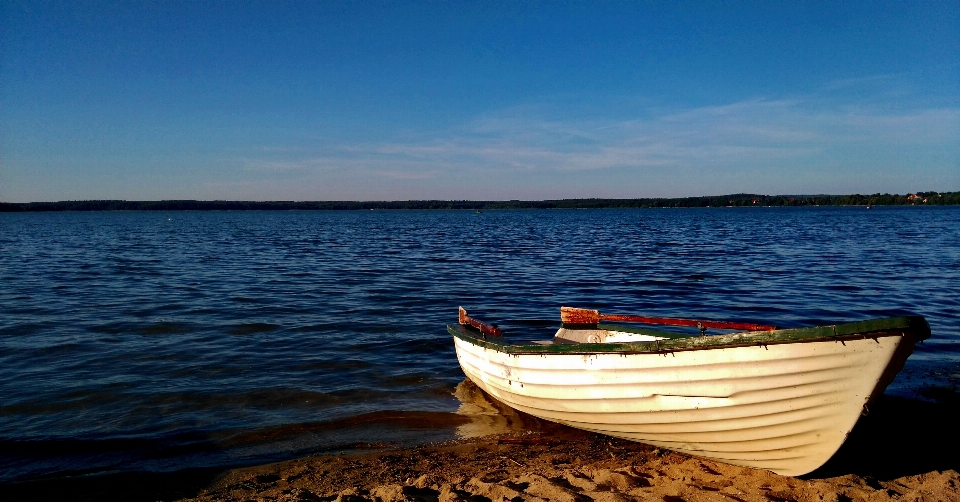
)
(783, 407)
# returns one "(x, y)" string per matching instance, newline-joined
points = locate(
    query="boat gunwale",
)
(874, 328)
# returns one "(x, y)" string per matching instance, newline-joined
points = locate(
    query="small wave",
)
(376, 419)
(252, 328)
(26, 329)
(158, 328)
(145, 405)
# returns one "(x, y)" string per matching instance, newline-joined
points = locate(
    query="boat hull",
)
(784, 407)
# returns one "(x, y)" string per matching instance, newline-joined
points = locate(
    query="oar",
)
(468, 321)
(571, 315)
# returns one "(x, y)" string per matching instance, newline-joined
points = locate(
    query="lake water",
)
(163, 340)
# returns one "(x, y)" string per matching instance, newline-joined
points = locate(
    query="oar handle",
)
(571, 315)
(484, 328)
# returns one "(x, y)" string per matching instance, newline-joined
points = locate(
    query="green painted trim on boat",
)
(891, 326)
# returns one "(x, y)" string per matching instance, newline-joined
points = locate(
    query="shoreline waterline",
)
(872, 463)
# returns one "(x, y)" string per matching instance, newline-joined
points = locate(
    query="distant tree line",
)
(737, 200)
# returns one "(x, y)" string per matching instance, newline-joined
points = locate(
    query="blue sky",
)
(456, 100)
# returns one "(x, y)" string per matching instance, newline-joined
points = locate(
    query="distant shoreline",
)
(735, 200)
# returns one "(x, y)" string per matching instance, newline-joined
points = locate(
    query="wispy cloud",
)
(773, 145)
(859, 82)
(757, 130)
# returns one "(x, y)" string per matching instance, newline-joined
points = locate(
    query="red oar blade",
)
(484, 328)
(572, 315)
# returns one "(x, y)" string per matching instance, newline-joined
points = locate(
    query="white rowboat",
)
(781, 400)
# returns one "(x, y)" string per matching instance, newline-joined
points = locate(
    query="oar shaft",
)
(686, 322)
(484, 328)
(570, 315)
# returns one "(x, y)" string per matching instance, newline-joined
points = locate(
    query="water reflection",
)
(488, 416)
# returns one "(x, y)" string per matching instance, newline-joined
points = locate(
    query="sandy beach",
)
(905, 450)
(568, 467)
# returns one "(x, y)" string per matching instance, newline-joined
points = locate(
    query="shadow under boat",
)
(899, 437)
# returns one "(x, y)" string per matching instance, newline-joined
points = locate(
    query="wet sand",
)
(904, 450)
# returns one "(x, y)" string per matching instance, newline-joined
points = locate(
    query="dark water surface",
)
(162, 340)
